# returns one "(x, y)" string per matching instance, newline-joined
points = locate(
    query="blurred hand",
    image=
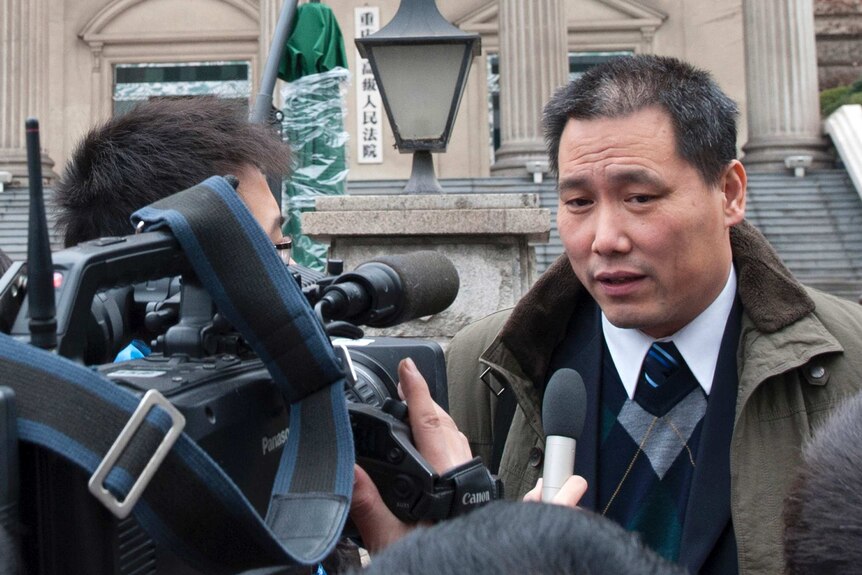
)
(377, 526)
(569, 494)
(438, 440)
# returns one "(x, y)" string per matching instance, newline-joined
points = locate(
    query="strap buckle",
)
(487, 381)
(122, 509)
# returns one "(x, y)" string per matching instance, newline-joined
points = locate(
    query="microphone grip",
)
(559, 464)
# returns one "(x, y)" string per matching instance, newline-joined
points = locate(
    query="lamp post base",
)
(422, 178)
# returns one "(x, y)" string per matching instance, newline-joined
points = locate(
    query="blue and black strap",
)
(190, 505)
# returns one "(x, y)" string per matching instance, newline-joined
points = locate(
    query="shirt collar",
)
(698, 342)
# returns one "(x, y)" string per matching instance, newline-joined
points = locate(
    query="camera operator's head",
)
(159, 148)
(509, 537)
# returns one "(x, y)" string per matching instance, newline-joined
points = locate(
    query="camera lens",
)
(373, 384)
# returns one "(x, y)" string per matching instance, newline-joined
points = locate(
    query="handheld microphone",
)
(390, 290)
(563, 411)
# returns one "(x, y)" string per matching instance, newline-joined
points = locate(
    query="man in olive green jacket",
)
(800, 355)
(651, 217)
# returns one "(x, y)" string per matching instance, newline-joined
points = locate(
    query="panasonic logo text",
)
(270, 444)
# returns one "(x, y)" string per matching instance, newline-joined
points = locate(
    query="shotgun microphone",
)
(563, 410)
(391, 290)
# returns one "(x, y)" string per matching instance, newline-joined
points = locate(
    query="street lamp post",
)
(420, 63)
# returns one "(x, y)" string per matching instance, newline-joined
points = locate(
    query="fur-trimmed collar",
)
(770, 295)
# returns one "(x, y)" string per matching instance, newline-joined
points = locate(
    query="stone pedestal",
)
(781, 85)
(486, 236)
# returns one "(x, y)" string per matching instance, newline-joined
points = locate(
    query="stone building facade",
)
(838, 24)
(72, 63)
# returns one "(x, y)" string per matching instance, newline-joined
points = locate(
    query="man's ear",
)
(733, 187)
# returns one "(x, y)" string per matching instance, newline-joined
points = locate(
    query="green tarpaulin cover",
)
(314, 64)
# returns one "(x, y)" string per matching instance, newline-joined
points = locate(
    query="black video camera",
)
(112, 289)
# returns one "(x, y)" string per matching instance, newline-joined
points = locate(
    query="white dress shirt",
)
(698, 342)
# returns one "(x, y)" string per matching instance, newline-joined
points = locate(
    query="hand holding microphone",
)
(563, 413)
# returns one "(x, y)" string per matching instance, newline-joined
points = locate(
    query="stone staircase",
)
(815, 224)
(14, 215)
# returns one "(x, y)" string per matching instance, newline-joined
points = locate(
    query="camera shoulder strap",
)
(190, 505)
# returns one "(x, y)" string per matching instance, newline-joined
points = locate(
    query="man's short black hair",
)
(823, 511)
(510, 537)
(703, 117)
(160, 147)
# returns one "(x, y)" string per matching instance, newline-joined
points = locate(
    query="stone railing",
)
(844, 126)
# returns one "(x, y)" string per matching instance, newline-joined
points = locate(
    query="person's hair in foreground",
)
(161, 147)
(823, 511)
(8, 553)
(703, 117)
(514, 538)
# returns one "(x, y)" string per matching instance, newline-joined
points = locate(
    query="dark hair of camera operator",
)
(823, 511)
(508, 537)
(161, 147)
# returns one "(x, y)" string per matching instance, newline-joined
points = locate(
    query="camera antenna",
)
(40, 275)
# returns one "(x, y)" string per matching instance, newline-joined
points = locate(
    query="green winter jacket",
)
(800, 355)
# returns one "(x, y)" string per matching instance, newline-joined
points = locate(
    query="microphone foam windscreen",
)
(430, 282)
(565, 404)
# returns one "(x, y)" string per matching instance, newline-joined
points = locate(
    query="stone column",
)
(23, 71)
(781, 85)
(533, 63)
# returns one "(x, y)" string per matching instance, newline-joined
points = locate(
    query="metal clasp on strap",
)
(121, 509)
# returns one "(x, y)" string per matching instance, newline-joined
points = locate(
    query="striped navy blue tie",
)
(662, 361)
(664, 379)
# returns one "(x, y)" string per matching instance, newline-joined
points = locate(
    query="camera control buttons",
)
(395, 455)
(403, 487)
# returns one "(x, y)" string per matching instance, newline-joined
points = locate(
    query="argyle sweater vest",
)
(646, 463)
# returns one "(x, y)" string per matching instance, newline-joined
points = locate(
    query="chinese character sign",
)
(369, 106)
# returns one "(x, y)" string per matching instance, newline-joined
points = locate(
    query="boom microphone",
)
(390, 290)
(563, 411)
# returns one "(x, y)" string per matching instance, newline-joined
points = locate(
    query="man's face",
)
(647, 237)
(255, 192)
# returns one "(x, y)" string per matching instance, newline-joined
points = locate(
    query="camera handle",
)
(189, 336)
(407, 483)
(100, 264)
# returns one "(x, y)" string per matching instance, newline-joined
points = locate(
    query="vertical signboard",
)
(369, 106)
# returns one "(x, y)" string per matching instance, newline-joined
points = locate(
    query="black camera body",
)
(231, 406)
